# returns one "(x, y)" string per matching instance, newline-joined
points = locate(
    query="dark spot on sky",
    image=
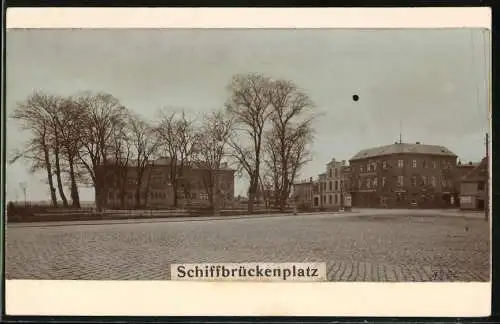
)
(355, 97)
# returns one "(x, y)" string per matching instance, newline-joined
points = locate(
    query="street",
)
(364, 246)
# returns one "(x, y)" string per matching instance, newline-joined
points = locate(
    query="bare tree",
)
(250, 107)
(177, 139)
(286, 143)
(68, 119)
(33, 114)
(212, 147)
(103, 115)
(144, 145)
(121, 157)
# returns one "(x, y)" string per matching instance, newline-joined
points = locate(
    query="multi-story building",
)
(335, 184)
(328, 191)
(461, 171)
(156, 189)
(473, 189)
(319, 190)
(303, 193)
(404, 175)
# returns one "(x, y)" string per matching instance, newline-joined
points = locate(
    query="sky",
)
(431, 84)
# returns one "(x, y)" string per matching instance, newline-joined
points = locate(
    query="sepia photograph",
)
(333, 155)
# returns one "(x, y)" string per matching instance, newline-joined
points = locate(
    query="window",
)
(336, 185)
(330, 172)
(400, 163)
(433, 181)
(336, 172)
(368, 183)
(480, 186)
(425, 180)
(443, 182)
(424, 164)
(414, 180)
(336, 199)
(383, 181)
(341, 184)
(400, 181)
(193, 195)
(361, 169)
(466, 200)
(330, 186)
(360, 183)
(414, 164)
(374, 166)
(330, 199)
(434, 164)
(384, 164)
(375, 183)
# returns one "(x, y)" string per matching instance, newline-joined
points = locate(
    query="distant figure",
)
(355, 97)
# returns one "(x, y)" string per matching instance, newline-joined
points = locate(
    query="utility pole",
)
(487, 187)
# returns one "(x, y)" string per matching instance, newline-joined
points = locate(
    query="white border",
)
(248, 17)
(157, 298)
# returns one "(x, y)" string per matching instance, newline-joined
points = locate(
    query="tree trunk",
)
(97, 198)
(176, 196)
(285, 192)
(99, 188)
(48, 167)
(59, 178)
(251, 193)
(138, 189)
(75, 197)
(122, 180)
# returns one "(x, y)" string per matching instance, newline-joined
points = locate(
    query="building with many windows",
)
(156, 189)
(473, 188)
(404, 175)
(328, 191)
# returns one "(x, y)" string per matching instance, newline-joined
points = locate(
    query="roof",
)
(403, 148)
(468, 165)
(479, 173)
(165, 162)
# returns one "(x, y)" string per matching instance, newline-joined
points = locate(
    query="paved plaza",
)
(363, 246)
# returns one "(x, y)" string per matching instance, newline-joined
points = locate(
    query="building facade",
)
(328, 191)
(335, 178)
(156, 189)
(404, 175)
(473, 189)
(303, 193)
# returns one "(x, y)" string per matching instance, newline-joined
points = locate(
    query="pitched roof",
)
(479, 173)
(405, 148)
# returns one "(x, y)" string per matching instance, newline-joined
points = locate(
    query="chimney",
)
(343, 162)
(310, 179)
(470, 162)
(418, 143)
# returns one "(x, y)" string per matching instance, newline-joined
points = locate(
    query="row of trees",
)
(265, 130)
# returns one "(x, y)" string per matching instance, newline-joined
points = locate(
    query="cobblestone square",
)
(391, 247)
